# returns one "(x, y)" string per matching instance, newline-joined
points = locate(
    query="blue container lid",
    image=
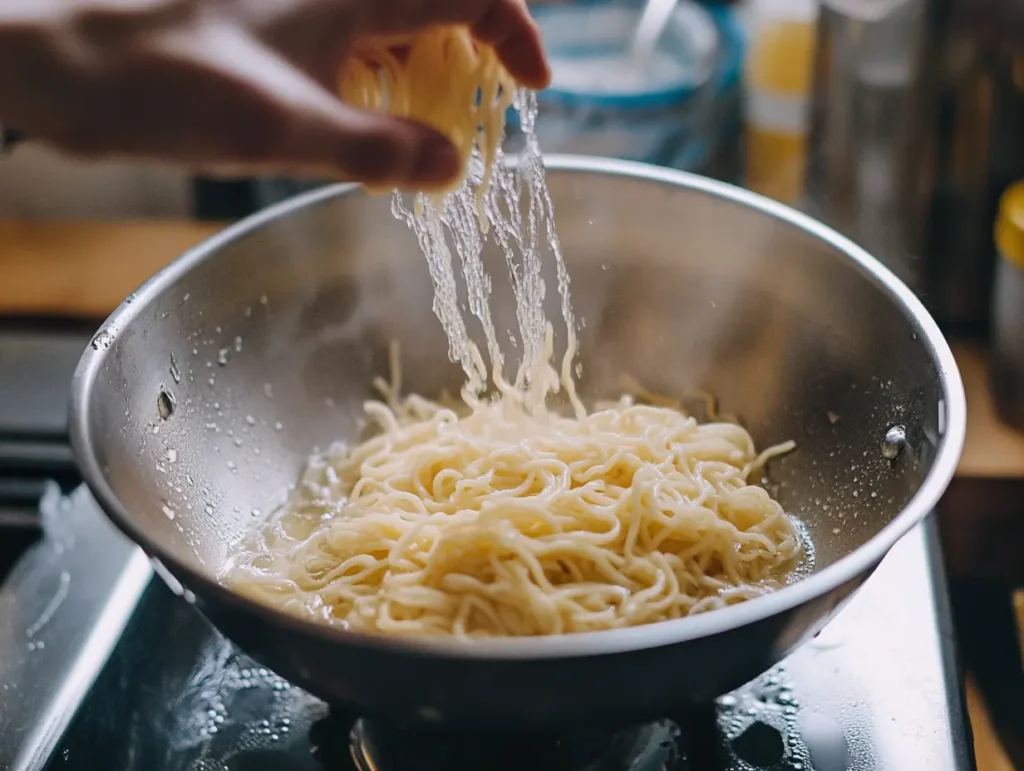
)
(587, 44)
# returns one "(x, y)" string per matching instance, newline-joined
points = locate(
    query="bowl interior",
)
(207, 393)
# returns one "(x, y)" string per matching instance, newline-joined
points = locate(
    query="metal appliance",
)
(68, 581)
(917, 127)
(877, 690)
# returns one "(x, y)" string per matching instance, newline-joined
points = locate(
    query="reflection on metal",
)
(62, 610)
(878, 690)
(916, 132)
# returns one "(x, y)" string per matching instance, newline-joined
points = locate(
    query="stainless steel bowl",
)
(200, 399)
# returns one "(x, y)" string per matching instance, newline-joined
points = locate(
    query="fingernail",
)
(437, 162)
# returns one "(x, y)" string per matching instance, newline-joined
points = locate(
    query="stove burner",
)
(692, 741)
(650, 747)
(377, 747)
(761, 745)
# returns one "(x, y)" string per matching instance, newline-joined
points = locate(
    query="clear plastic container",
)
(675, 113)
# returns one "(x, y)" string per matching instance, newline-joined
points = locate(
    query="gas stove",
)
(101, 666)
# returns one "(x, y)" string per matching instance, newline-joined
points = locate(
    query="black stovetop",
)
(879, 689)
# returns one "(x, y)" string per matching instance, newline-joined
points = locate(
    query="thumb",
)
(371, 148)
(307, 127)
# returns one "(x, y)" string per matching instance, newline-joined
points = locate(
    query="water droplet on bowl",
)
(894, 442)
(102, 341)
(165, 404)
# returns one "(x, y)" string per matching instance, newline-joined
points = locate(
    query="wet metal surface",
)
(877, 690)
(62, 608)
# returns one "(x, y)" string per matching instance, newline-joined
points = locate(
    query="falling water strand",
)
(525, 238)
(427, 223)
(542, 213)
(504, 210)
(468, 237)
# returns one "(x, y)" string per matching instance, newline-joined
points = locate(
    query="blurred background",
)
(899, 122)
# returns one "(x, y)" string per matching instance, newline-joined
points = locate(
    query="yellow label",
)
(1010, 226)
(779, 79)
(782, 59)
(776, 164)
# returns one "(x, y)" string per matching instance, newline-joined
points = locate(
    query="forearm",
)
(233, 83)
(54, 52)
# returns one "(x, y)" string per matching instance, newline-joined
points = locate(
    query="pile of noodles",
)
(502, 522)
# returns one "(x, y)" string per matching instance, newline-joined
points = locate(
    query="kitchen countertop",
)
(85, 269)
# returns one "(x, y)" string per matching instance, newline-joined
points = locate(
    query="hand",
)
(242, 85)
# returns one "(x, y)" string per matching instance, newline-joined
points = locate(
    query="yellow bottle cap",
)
(1010, 226)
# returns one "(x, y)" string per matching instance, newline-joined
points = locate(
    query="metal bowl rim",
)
(849, 568)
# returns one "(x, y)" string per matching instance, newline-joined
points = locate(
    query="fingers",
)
(504, 24)
(379, 150)
(230, 102)
(323, 137)
(509, 28)
(305, 126)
